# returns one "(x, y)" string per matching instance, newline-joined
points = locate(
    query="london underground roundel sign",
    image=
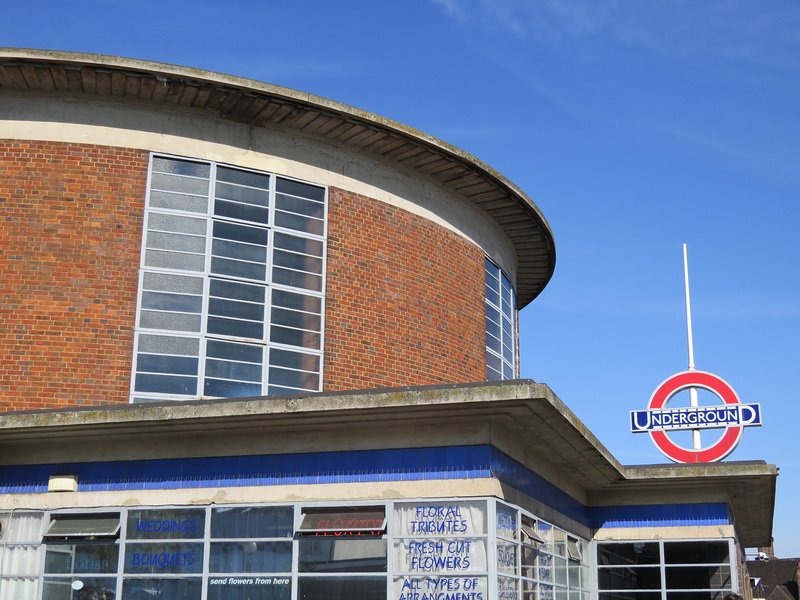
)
(731, 415)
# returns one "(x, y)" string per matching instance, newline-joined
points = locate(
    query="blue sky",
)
(635, 126)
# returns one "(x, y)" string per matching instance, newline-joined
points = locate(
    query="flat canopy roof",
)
(270, 106)
(523, 419)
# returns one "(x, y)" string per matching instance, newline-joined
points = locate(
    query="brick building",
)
(258, 344)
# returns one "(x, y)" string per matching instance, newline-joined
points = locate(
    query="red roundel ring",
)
(678, 383)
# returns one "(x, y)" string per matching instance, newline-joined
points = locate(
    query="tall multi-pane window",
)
(231, 289)
(501, 327)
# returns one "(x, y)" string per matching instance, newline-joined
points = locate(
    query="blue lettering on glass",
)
(162, 560)
(506, 522)
(508, 589)
(506, 558)
(438, 520)
(441, 588)
(166, 526)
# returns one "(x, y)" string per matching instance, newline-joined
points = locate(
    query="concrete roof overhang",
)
(521, 418)
(258, 104)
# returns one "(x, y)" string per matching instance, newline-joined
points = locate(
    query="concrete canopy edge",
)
(43, 71)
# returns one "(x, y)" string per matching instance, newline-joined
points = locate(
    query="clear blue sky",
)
(635, 126)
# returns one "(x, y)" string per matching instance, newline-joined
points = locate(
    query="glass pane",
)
(174, 260)
(165, 384)
(363, 519)
(19, 559)
(235, 309)
(77, 588)
(164, 344)
(246, 195)
(222, 369)
(294, 360)
(311, 304)
(687, 578)
(299, 206)
(217, 388)
(237, 250)
(507, 557)
(175, 365)
(83, 525)
(235, 268)
(176, 242)
(240, 291)
(295, 379)
(157, 221)
(529, 556)
(180, 167)
(629, 578)
(545, 567)
(173, 201)
(256, 180)
(172, 589)
(341, 588)
(298, 244)
(636, 553)
(300, 320)
(294, 337)
(243, 212)
(230, 327)
(177, 183)
(306, 224)
(169, 321)
(297, 262)
(170, 557)
(172, 302)
(697, 595)
(252, 522)
(629, 596)
(240, 233)
(251, 557)
(507, 588)
(233, 351)
(696, 552)
(166, 524)
(296, 188)
(328, 554)
(249, 588)
(173, 283)
(87, 557)
(296, 279)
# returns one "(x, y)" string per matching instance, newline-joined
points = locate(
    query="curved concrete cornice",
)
(260, 104)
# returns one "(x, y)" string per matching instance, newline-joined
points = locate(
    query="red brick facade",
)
(70, 236)
(404, 301)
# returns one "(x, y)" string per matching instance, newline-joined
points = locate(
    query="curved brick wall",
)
(405, 299)
(404, 296)
(70, 234)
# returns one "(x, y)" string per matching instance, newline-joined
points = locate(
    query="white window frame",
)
(203, 337)
(502, 361)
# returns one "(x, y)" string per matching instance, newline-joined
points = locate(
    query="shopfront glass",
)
(466, 549)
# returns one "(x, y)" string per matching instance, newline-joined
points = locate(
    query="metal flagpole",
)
(693, 402)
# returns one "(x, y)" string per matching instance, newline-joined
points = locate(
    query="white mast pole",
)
(693, 402)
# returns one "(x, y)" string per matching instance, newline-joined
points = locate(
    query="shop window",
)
(530, 534)
(231, 296)
(343, 540)
(344, 522)
(692, 570)
(501, 325)
(20, 554)
(67, 527)
(573, 549)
